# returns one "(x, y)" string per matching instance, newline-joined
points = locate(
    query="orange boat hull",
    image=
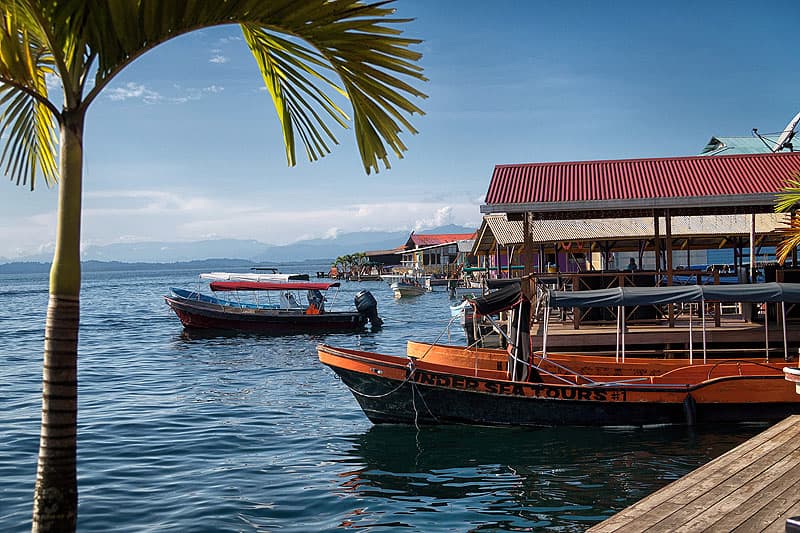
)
(393, 389)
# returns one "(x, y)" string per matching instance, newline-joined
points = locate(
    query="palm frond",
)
(283, 64)
(309, 52)
(314, 55)
(27, 121)
(789, 198)
(790, 239)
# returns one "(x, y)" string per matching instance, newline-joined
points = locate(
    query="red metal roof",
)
(442, 238)
(631, 179)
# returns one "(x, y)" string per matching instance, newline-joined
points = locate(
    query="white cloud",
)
(138, 91)
(441, 217)
(332, 233)
(52, 82)
(133, 90)
(231, 39)
(219, 59)
(131, 216)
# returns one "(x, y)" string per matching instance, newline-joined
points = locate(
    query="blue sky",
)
(185, 146)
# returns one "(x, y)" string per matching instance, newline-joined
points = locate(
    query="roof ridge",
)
(643, 159)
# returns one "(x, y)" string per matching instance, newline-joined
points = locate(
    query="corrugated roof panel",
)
(506, 233)
(680, 177)
(432, 240)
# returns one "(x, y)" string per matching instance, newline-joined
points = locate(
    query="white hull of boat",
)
(404, 290)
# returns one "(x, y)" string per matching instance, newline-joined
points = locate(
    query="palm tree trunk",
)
(55, 501)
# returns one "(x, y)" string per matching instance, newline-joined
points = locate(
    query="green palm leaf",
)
(26, 116)
(790, 197)
(787, 201)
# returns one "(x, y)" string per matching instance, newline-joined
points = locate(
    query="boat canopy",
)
(632, 296)
(269, 286)
(493, 283)
(252, 276)
(499, 300)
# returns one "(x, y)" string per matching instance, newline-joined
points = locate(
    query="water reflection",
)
(563, 477)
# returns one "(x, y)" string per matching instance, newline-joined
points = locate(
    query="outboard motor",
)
(316, 299)
(367, 306)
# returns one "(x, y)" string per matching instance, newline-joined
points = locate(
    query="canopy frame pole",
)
(544, 333)
(766, 332)
(616, 353)
(752, 239)
(622, 314)
(703, 314)
(515, 349)
(691, 337)
(783, 327)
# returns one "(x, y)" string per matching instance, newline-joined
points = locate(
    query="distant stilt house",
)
(385, 257)
(436, 254)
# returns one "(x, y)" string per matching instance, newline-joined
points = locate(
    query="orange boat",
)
(435, 384)
(393, 389)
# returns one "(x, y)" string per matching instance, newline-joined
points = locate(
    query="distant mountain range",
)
(247, 250)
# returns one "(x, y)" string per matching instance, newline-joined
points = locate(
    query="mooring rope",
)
(406, 380)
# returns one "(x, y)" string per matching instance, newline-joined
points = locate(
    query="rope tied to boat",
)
(411, 370)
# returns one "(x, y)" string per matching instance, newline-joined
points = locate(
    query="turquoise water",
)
(252, 433)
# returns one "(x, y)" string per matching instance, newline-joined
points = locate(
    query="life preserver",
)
(566, 245)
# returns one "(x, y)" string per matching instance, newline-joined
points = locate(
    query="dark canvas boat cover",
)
(499, 300)
(269, 286)
(632, 296)
(502, 282)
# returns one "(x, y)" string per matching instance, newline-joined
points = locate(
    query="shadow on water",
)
(567, 478)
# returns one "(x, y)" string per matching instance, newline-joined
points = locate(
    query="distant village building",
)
(435, 253)
(385, 257)
(432, 253)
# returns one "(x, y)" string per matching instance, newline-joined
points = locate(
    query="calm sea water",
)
(252, 433)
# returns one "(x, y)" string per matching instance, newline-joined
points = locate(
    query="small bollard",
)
(793, 524)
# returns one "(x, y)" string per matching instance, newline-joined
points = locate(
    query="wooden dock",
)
(753, 487)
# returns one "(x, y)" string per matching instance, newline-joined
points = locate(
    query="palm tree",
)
(788, 200)
(300, 46)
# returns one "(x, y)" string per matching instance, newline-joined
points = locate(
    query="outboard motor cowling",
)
(367, 306)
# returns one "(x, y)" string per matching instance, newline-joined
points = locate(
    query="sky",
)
(184, 145)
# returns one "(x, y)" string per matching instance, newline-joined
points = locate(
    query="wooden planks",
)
(753, 487)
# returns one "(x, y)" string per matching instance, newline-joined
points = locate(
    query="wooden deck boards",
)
(753, 487)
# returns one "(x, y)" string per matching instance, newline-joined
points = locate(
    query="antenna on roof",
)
(763, 140)
(785, 138)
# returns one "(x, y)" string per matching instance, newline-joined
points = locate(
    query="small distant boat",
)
(406, 287)
(459, 310)
(270, 307)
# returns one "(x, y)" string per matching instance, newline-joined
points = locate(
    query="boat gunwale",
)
(618, 384)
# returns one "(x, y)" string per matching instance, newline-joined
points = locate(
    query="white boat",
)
(407, 287)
